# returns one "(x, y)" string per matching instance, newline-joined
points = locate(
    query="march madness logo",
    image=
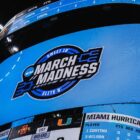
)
(58, 71)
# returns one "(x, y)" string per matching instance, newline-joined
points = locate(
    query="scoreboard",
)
(53, 7)
(70, 77)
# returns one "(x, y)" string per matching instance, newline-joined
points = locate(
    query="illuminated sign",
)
(91, 67)
(50, 8)
(111, 122)
(114, 77)
(94, 122)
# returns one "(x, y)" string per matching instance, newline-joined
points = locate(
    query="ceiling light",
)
(1, 27)
(13, 49)
(9, 39)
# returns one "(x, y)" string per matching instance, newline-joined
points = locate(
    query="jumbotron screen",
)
(73, 75)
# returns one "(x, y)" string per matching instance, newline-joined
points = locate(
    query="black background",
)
(9, 8)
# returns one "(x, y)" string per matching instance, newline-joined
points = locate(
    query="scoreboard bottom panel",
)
(108, 122)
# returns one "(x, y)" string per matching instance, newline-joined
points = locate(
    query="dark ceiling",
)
(8, 8)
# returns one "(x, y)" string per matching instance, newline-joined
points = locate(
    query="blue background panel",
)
(117, 80)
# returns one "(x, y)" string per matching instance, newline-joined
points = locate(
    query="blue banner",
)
(57, 7)
(109, 122)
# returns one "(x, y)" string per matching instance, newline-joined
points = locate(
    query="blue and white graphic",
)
(118, 122)
(58, 71)
(28, 72)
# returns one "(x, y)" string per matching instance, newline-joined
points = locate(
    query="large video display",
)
(53, 7)
(108, 122)
(90, 67)
(71, 76)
